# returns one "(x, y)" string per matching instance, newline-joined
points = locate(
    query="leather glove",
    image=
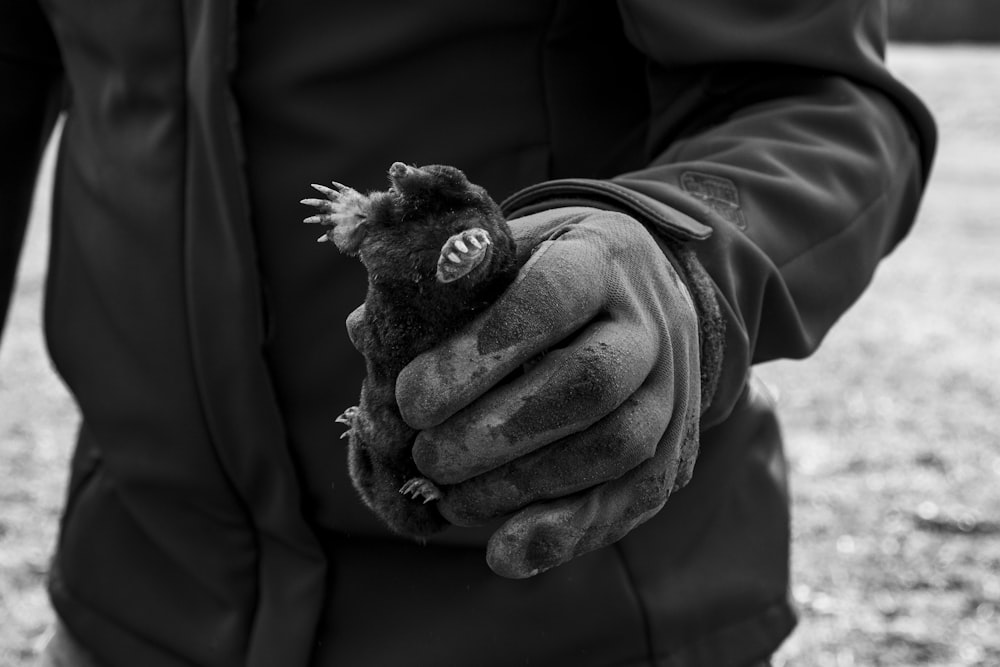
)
(571, 405)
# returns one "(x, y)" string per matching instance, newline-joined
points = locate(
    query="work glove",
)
(570, 406)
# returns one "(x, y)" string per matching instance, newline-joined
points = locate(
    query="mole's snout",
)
(399, 170)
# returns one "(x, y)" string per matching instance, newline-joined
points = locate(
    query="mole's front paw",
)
(419, 487)
(462, 253)
(344, 210)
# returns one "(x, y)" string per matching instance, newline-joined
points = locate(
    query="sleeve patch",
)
(719, 193)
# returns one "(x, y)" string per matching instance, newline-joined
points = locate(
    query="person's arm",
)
(783, 163)
(777, 126)
(30, 86)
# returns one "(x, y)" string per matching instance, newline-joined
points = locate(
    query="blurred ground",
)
(893, 426)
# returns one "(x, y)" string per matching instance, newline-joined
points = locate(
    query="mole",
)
(437, 251)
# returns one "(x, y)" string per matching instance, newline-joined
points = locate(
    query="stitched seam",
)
(647, 626)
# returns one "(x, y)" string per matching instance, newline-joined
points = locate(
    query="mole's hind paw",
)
(419, 487)
(347, 418)
(462, 253)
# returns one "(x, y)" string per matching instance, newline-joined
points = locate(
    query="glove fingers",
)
(567, 391)
(603, 452)
(551, 533)
(551, 298)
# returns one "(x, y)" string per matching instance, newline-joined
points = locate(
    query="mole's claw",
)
(323, 239)
(324, 204)
(346, 434)
(322, 189)
(418, 486)
(347, 416)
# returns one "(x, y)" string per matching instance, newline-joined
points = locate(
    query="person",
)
(704, 186)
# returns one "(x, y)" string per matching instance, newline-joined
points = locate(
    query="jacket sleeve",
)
(30, 78)
(782, 152)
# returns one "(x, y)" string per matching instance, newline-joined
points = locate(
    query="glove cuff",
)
(711, 324)
(672, 230)
(606, 195)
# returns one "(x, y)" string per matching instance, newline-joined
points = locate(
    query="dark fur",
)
(400, 236)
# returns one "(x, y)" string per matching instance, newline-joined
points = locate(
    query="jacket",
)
(209, 519)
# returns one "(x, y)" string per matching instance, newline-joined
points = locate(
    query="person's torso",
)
(171, 192)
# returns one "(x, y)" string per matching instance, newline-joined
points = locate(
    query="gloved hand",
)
(600, 427)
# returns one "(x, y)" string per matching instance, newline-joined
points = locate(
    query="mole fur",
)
(437, 251)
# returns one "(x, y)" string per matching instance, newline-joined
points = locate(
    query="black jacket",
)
(210, 520)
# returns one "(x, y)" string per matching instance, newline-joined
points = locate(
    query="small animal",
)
(438, 251)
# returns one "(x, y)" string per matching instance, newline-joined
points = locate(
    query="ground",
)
(893, 426)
